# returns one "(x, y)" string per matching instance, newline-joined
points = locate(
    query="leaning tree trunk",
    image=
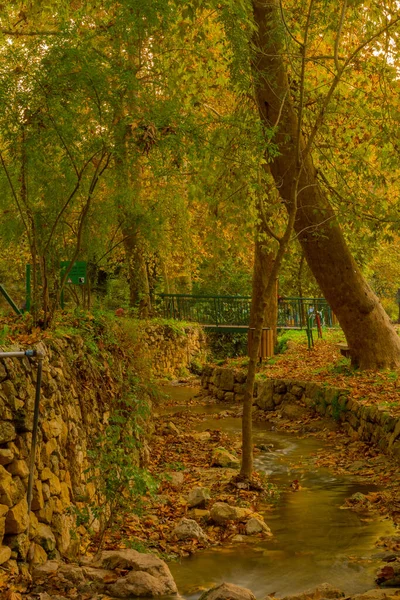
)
(372, 340)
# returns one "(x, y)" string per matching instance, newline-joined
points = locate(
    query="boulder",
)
(238, 539)
(48, 568)
(177, 479)
(227, 591)
(255, 526)
(221, 512)
(389, 575)
(200, 513)
(189, 529)
(325, 590)
(377, 594)
(202, 436)
(148, 575)
(223, 458)
(198, 497)
(171, 428)
(139, 583)
(72, 573)
(100, 576)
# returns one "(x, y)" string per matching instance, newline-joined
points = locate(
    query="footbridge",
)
(231, 314)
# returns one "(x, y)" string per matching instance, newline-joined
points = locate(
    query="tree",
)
(369, 333)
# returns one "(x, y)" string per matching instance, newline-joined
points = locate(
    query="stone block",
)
(5, 554)
(39, 556)
(395, 434)
(10, 489)
(264, 399)
(62, 526)
(64, 495)
(240, 376)
(297, 390)
(17, 519)
(7, 432)
(45, 537)
(239, 388)
(45, 514)
(289, 398)
(52, 428)
(20, 468)
(37, 496)
(33, 525)
(6, 456)
(280, 387)
(216, 376)
(226, 380)
(19, 545)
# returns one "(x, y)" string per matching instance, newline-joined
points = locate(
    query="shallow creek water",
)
(314, 540)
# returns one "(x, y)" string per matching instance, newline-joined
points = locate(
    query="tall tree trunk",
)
(139, 289)
(263, 287)
(263, 263)
(372, 340)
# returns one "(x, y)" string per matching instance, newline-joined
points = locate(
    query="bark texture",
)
(263, 264)
(372, 340)
(139, 289)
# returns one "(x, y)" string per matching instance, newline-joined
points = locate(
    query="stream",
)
(314, 540)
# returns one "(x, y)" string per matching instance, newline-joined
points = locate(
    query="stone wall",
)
(173, 350)
(80, 379)
(368, 423)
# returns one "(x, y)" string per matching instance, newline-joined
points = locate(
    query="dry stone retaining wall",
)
(368, 423)
(78, 387)
(173, 350)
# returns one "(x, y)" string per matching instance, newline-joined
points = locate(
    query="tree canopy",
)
(131, 137)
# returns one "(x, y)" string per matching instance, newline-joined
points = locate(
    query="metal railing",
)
(235, 310)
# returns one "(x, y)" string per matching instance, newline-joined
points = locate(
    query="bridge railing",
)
(235, 310)
(207, 310)
(293, 312)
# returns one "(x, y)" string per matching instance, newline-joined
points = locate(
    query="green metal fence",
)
(235, 310)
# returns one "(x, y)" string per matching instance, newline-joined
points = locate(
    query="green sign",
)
(78, 273)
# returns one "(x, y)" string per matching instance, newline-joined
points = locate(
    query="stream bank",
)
(318, 535)
(315, 539)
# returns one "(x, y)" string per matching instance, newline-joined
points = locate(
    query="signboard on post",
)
(77, 274)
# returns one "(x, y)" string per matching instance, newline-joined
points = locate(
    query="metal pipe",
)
(9, 300)
(19, 354)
